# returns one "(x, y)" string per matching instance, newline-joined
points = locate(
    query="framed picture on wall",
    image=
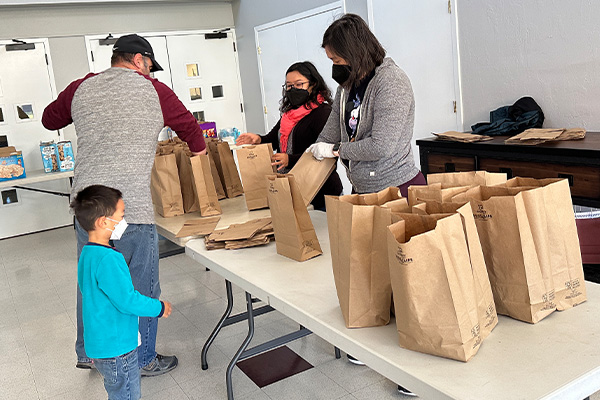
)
(195, 93)
(25, 112)
(2, 114)
(217, 92)
(199, 115)
(192, 70)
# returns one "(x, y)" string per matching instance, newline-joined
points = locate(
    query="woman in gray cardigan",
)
(371, 122)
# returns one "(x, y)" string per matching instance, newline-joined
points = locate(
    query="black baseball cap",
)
(136, 44)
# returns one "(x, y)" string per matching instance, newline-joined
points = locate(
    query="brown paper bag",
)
(563, 252)
(486, 307)
(434, 191)
(240, 231)
(461, 137)
(230, 178)
(311, 174)
(469, 178)
(238, 236)
(255, 165)
(165, 187)
(513, 233)
(295, 235)
(204, 186)
(198, 227)
(435, 295)
(215, 176)
(226, 169)
(357, 225)
(186, 179)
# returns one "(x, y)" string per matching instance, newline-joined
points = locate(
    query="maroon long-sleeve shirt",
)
(118, 115)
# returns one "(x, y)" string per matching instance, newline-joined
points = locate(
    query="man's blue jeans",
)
(139, 246)
(121, 376)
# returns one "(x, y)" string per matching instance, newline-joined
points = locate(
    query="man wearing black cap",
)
(134, 50)
(118, 115)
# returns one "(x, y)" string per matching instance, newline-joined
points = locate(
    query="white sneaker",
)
(406, 392)
(354, 360)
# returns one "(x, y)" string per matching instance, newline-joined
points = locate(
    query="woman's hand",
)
(248, 138)
(281, 160)
(321, 150)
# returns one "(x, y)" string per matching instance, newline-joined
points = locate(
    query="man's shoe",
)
(354, 360)
(160, 365)
(85, 364)
(406, 392)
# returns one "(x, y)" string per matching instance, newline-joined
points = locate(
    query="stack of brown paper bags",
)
(461, 137)
(198, 227)
(237, 236)
(537, 136)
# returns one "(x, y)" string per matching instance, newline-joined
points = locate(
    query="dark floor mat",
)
(273, 366)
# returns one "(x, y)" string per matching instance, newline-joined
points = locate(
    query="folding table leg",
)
(217, 329)
(242, 348)
(338, 355)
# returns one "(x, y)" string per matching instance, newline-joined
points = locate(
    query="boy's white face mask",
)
(118, 230)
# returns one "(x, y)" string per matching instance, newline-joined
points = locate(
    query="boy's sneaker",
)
(160, 365)
(83, 364)
(354, 361)
(406, 392)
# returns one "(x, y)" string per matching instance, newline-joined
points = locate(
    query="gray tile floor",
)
(37, 335)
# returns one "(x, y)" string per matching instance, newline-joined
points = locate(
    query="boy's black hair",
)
(94, 202)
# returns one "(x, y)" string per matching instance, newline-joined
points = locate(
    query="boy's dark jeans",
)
(121, 376)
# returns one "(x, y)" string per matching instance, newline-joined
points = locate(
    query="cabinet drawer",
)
(584, 180)
(449, 163)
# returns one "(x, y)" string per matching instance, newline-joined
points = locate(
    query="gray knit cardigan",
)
(381, 156)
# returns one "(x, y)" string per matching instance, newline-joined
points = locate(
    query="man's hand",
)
(321, 150)
(248, 138)
(167, 311)
(197, 153)
(280, 159)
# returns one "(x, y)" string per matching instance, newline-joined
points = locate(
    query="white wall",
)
(67, 24)
(547, 49)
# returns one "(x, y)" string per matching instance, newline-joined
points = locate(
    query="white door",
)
(420, 37)
(284, 42)
(100, 51)
(274, 60)
(205, 75)
(26, 88)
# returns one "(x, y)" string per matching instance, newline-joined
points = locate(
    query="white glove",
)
(321, 150)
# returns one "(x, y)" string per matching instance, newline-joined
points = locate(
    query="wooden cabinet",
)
(584, 181)
(577, 161)
(450, 163)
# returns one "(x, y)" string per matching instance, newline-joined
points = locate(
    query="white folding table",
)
(557, 358)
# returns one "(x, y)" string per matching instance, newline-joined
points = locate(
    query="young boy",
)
(111, 306)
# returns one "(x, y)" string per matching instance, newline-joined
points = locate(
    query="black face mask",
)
(340, 73)
(297, 97)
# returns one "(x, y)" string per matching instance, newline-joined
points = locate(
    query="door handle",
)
(568, 177)
(508, 172)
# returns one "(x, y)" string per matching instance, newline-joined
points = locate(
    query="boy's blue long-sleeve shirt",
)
(110, 304)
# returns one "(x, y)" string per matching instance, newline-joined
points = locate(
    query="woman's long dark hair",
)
(350, 38)
(308, 70)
